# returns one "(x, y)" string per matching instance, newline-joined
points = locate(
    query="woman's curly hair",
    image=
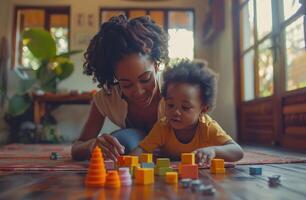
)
(118, 38)
(195, 73)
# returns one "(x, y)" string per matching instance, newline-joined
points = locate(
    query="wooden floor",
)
(235, 184)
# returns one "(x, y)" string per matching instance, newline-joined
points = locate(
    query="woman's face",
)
(137, 79)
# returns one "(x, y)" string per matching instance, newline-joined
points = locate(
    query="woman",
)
(123, 57)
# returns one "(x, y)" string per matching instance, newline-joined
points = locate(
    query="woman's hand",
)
(110, 146)
(205, 155)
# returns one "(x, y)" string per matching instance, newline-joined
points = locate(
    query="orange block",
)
(144, 176)
(188, 158)
(130, 161)
(112, 179)
(217, 166)
(96, 170)
(171, 177)
(189, 171)
(145, 158)
(120, 161)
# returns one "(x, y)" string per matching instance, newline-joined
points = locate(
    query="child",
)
(189, 92)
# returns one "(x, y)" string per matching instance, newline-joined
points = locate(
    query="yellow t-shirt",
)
(162, 136)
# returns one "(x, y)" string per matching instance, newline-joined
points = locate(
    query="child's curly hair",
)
(118, 38)
(195, 73)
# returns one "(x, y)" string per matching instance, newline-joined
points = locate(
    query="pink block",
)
(125, 176)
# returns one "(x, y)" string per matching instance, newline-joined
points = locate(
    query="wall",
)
(221, 60)
(4, 12)
(72, 117)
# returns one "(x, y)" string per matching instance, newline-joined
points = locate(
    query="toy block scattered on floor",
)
(161, 171)
(112, 179)
(125, 176)
(188, 158)
(96, 171)
(163, 162)
(54, 156)
(171, 177)
(120, 161)
(144, 176)
(131, 161)
(147, 165)
(162, 166)
(146, 158)
(217, 166)
(133, 170)
(189, 171)
(255, 170)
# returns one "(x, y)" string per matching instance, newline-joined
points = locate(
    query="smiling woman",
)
(123, 57)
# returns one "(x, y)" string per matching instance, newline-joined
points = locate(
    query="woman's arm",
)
(81, 149)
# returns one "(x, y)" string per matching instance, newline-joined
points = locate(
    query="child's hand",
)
(205, 155)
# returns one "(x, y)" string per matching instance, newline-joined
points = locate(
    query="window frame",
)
(49, 10)
(147, 10)
(278, 41)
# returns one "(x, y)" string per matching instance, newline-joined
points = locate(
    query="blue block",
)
(147, 165)
(255, 170)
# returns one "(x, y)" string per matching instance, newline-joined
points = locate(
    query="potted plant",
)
(52, 69)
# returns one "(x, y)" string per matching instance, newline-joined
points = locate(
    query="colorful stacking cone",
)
(112, 179)
(96, 172)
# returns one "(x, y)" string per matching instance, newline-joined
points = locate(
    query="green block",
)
(161, 171)
(163, 162)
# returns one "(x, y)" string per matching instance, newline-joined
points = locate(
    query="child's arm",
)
(152, 141)
(230, 152)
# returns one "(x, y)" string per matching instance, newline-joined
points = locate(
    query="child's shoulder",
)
(206, 120)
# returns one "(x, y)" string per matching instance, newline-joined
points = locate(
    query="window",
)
(54, 19)
(178, 23)
(272, 35)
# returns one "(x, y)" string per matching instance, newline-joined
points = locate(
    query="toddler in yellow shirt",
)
(189, 92)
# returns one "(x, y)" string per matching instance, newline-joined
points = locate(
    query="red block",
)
(189, 171)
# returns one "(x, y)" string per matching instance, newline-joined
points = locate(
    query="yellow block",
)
(171, 177)
(187, 158)
(145, 158)
(144, 176)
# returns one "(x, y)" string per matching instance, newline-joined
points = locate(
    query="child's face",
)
(137, 79)
(183, 105)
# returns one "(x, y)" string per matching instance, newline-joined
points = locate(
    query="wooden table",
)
(235, 184)
(41, 101)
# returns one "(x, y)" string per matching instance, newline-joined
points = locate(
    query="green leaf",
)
(18, 104)
(64, 69)
(40, 43)
(67, 54)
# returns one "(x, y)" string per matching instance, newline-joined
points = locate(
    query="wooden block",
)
(217, 166)
(161, 171)
(120, 161)
(147, 165)
(146, 158)
(188, 158)
(255, 170)
(130, 161)
(189, 171)
(171, 177)
(144, 176)
(163, 162)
